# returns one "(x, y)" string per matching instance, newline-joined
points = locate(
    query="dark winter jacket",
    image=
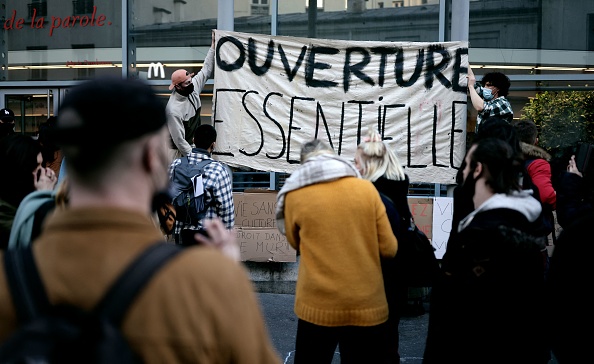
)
(571, 202)
(569, 276)
(488, 303)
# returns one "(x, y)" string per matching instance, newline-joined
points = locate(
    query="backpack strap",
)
(200, 164)
(29, 217)
(122, 293)
(26, 288)
(30, 298)
(203, 163)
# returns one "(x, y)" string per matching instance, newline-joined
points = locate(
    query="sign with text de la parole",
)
(272, 94)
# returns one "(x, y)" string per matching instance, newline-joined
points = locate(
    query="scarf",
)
(317, 169)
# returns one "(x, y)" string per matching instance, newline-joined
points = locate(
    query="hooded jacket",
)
(488, 305)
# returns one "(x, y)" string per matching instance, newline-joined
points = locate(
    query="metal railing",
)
(275, 180)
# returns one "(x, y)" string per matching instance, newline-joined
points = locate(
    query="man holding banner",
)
(274, 93)
(183, 107)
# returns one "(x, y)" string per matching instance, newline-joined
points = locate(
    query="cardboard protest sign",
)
(443, 214)
(264, 245)
(255, 209)
(272, 94)
(255, 222)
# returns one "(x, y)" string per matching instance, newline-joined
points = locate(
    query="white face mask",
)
(487, 94)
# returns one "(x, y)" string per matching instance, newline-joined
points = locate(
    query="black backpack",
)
(67, 334)
(415, 262)
(190, 207)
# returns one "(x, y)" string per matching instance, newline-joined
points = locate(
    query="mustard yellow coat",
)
(199, 308)
(340, 229)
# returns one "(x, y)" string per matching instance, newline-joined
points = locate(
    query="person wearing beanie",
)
(200, 307)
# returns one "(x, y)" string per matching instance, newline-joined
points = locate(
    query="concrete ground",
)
(282, 326)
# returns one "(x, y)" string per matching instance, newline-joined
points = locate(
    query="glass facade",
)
(47, 46)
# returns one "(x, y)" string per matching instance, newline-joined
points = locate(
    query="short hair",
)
(204, 136)
(527, 131)
(99, 120)
(378, 159)
(500, 163)
(497, 127)
(498, 80)
(313, 148)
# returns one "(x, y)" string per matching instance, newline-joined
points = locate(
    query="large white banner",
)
(273, 94)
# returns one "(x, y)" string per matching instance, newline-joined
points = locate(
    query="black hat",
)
(6, 115)
(108, 110)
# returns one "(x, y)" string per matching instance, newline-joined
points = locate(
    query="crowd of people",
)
(491, 302)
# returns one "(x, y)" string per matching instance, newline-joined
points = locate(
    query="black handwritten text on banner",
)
(274, 93)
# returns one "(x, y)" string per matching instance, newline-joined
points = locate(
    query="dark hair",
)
(494, 127)
(204, 136)
(99, 117)
(501, 164)
(498, 80)
(527, 131)
(46, 140)
(497, 127)
(18, 160)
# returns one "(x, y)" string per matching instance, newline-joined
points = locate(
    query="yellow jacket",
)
(340, 229)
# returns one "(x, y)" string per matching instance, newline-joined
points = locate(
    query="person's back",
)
(338, 224)
(325, 215)
(201, 306)
(216, 183)
(379, 164)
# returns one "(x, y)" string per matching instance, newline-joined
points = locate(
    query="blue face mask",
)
(487, 94)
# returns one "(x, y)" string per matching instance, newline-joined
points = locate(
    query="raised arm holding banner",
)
(274, 93)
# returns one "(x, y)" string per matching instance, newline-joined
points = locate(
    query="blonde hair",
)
(378, 160)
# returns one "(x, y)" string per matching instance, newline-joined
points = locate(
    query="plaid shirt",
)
(218, 188)
(499, 106)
